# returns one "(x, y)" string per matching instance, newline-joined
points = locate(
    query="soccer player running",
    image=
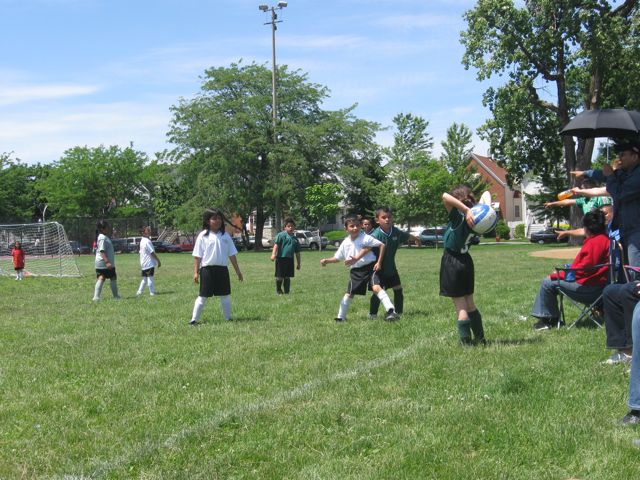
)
(392, 237)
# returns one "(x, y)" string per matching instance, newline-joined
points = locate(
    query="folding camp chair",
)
(588, 311)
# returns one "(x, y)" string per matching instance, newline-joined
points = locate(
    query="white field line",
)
(133, 454)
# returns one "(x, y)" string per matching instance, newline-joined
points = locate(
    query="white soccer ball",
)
(485, 218)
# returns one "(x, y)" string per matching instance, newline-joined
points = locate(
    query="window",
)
(516, 211)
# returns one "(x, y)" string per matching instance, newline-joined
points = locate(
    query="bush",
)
(502, 230)
(520, 230)
(335, 235)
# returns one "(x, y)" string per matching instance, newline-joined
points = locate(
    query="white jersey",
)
(146, 259)
(214, 248)
(352, 248)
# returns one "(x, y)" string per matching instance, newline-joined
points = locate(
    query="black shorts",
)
(360, 279)
(106, 273)
(148, 272)
(214, 281)
(284, 267)
(387, 281)
(456, 274)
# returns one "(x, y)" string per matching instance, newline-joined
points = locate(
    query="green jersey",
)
(588, 204)
(458, 235)
(287, 245)
(392, 241)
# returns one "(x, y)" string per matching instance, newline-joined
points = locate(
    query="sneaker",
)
(631, 418)
(391, 316)
(372, 316)
(194, 323)
(618, 357)
(338, 319)
(542, 324)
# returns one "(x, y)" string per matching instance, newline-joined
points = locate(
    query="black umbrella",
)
(607, 122)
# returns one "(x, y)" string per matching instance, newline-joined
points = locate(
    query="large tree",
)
(97, 181)
(560, 56)
(20, 200)
(230, 156)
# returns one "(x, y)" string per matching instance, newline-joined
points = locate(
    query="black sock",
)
(374, 304)
(287, 285)
(476, 325)
(464, 330)
(278, 285)
(398, 300)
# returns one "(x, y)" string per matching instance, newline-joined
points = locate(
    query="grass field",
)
(126, 389)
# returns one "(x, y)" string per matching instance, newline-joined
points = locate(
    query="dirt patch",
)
(568, 253)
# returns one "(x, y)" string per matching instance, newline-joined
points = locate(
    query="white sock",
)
(197, 308)
(386, 302)
(225, 303)
(114, 288)
(152, 285)
(98, 289)
(143, 282)
(344, 306)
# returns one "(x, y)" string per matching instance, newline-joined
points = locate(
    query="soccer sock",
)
(374, 304)
(278, 285)
(398, 300)
(287, 285)
(143, 282)
(152, 285)
(225, 303)
(197, 308)
(98, 289)
(476, 325)
(114, 288)
(386, 301)
(344, 307)
(464, 330)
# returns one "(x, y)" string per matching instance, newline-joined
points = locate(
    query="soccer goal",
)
(46, 247)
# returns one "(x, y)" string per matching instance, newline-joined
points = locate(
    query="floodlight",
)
(282, 4)
(264, 7)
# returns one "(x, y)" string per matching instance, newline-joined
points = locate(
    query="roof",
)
(491, 168)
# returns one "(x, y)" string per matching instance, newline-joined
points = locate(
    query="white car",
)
(309, 240)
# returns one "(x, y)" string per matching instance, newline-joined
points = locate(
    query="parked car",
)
(307, 239)
(266, 243)
(547, 235)
(186, 246)
(430, 237)
(166, 247)
(121, 245)
(78, 248)
(239, 243)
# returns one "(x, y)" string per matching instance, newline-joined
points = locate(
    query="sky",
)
(106, 72)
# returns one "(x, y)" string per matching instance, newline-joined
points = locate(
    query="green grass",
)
(126, 389)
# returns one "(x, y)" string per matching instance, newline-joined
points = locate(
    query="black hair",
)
(100, 226)
(288, 221)
(464, 194)
(17, 244)
(383, 209)
(210, 213)
(350, 219)
(593, 222)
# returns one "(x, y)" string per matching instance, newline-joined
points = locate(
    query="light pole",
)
(274, 106)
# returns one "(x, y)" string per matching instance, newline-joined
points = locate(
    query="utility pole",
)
(274, 104)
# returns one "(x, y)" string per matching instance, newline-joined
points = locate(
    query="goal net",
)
(46, 248)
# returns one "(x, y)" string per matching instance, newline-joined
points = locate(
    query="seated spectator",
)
(588, 283)
(619, 301)
(633, 417)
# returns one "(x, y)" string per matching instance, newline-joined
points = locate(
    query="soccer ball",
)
(485, 218)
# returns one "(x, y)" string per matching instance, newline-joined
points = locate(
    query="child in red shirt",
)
(18, 260)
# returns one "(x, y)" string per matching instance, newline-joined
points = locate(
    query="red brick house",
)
(506, 201)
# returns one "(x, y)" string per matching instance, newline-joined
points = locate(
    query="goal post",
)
(46, 247)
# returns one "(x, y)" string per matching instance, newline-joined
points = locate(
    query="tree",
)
(411, 152)
(322, 201)
(225, 141)
(20, 200)
(96, 182)
(560, 57)
(456, 157)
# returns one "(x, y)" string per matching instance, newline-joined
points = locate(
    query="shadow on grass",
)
(498, 342)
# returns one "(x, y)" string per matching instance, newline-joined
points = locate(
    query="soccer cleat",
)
(372, 316)
(391, 316)
(95, 299)
(631, 418)
(194, 323)
(618, 357)
(338, 319)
